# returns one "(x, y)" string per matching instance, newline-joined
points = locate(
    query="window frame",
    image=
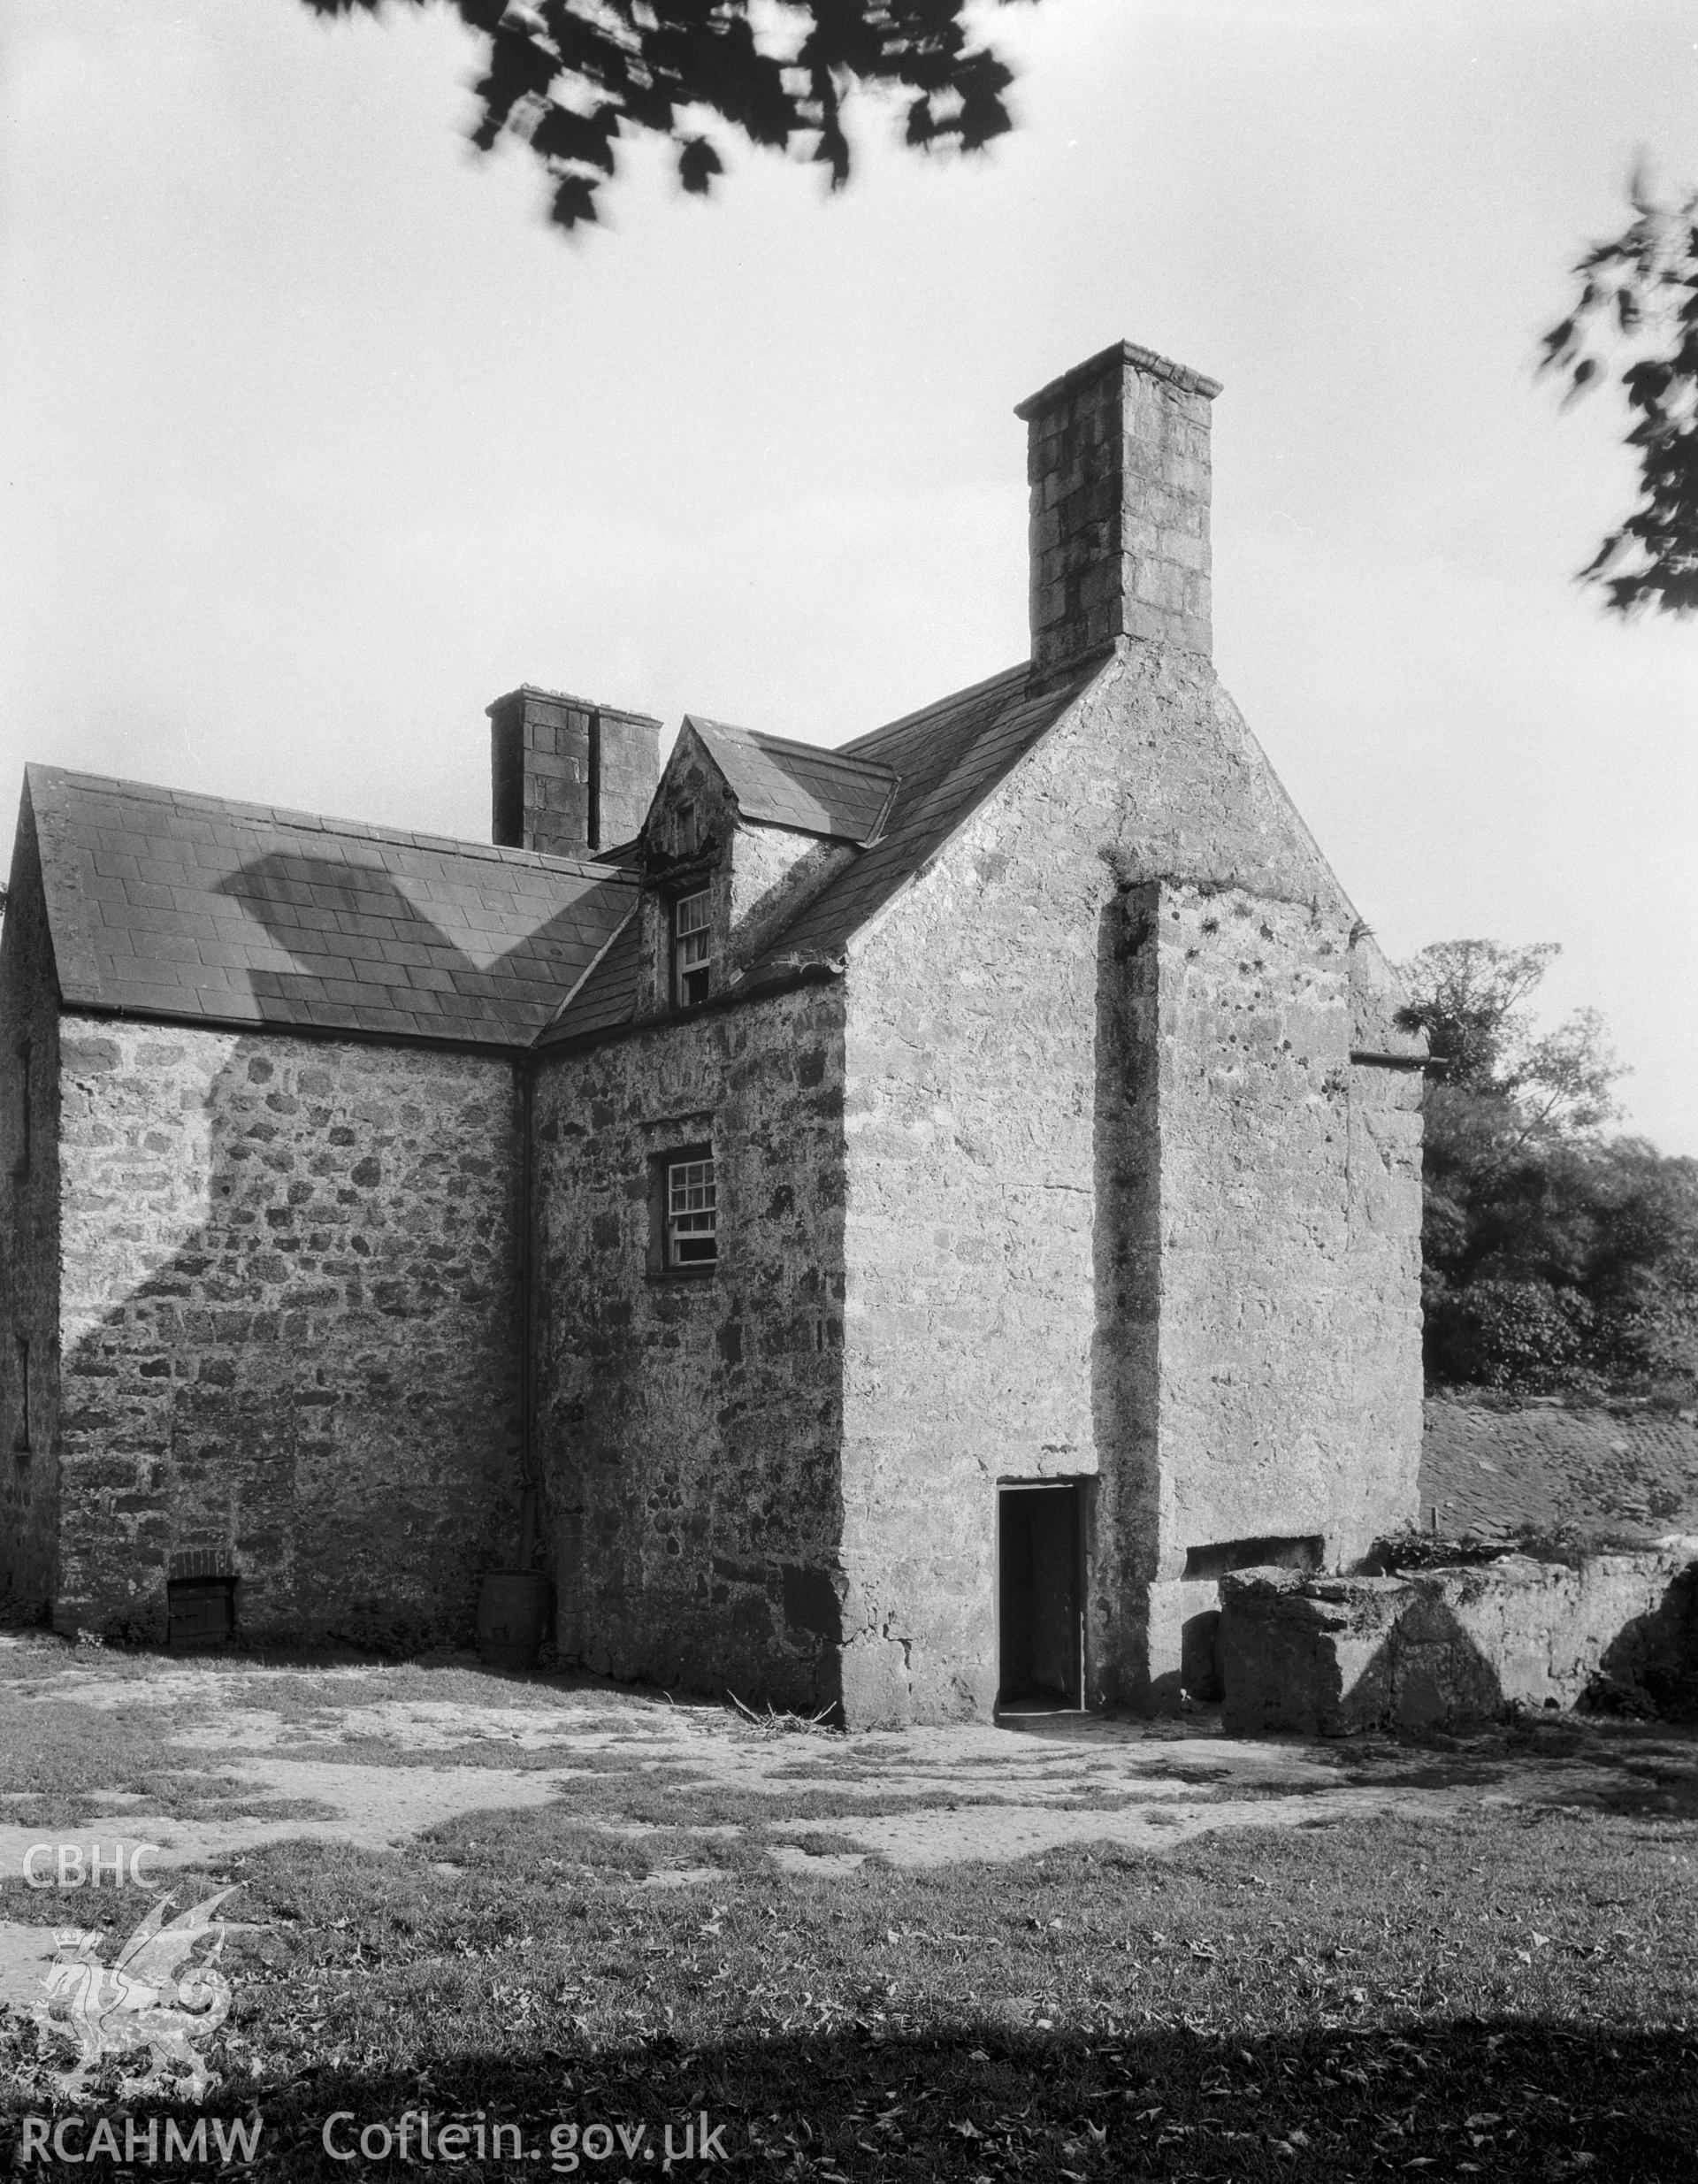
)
(664, 1265)
(684, 936)
(691, 1200)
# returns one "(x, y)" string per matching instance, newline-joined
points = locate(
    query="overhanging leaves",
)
(569, 77)
(1639, 291)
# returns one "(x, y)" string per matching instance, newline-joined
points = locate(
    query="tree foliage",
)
(1553, 1257)
(1467, 994)
(570, 77)
(1636, 306)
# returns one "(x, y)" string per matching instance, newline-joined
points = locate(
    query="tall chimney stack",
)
(1117, 462)
(568, 777)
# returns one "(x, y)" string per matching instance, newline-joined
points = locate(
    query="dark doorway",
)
(1040, 1596)
(203, 1613)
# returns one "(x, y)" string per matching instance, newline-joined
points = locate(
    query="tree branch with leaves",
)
(1636, 310)
(572, 78)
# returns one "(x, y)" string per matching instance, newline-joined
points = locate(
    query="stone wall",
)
(1098, 1070)
(1118, 469)
(775, 872)
(29, 1240)
(1449, 1649)
(1290, 1264)
(973, 1335)
(688, 1424)
(674, 869)
(289, 1322)
(568, 777)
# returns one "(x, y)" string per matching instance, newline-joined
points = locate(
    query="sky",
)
(317, 438)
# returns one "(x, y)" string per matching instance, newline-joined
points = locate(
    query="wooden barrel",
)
(513, 1611)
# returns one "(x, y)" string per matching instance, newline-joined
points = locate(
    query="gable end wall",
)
(1110, 1213)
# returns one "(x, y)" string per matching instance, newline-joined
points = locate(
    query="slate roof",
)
(164, 904)
(799, 784)
(946, 760)
(607, 997)
(1492, 1466)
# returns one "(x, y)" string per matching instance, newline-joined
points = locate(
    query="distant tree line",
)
(1556, 1258)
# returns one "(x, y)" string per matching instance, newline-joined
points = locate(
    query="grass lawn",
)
(1509, 1994)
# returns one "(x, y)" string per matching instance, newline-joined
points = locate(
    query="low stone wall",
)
(1450, 1648)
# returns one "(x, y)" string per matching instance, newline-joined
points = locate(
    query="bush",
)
(1527, 1336)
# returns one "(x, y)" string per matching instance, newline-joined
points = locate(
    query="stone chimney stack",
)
(1117, 462)
(568, 777)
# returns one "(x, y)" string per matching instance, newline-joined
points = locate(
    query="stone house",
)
(896, 1223)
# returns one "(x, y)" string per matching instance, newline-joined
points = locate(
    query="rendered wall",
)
(1119, 1205)
(1289, 1382)
(775, 872)
(688, 1425)
(289, 1330)
(29, 1239)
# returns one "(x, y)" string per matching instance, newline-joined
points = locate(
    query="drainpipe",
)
(529, 1489)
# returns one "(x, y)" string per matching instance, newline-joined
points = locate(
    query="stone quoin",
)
(905, 1220)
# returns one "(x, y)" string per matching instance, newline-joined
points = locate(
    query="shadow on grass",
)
(1508, 2098)
(1636, 1770)
(1652, 1788)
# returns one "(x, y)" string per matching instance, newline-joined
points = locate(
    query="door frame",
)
(1076, 1484)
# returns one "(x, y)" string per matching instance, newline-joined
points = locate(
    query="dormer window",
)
(690, 949)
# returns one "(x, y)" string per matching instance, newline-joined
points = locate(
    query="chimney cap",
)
(1109, 359)
(566, 697)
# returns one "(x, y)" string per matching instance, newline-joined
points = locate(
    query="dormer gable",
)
(743, 831)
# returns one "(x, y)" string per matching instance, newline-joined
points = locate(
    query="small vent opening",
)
(1303, 1552)
(201, 1612)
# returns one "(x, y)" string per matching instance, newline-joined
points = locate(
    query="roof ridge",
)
(240, 812)
(829, 754)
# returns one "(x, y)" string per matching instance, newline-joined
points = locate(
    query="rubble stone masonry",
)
(29, 1242)
(689, 1423)
(289, 1330)
(569, 777)
(1119, 469)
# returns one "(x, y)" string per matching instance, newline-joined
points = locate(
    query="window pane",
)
(691, 975)
(692, 1214)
